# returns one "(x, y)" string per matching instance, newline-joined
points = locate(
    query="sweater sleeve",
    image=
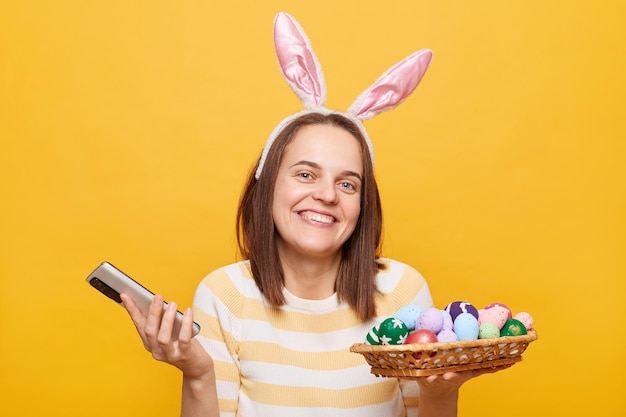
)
(216, 307)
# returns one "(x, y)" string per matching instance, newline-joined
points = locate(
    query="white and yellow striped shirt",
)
(295, 360)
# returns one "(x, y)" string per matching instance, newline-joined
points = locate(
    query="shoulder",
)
(400, 284)
(237, 272)
(228, 285)
(396, 273)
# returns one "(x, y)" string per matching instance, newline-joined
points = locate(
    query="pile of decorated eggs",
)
(458, 321)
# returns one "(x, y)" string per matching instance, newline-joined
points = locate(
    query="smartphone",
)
(111, 282)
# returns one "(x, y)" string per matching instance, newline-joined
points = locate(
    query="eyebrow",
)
(315, 165)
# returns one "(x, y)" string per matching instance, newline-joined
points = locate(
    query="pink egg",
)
(497, 315)
(526, 319)
(500, 305)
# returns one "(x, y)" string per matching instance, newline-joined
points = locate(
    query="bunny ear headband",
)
(303, 73)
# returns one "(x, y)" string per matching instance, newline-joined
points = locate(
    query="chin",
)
(315, 250)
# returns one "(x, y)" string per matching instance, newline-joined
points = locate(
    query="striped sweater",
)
(295, 360)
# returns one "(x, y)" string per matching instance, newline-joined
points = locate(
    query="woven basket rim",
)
(428, 347)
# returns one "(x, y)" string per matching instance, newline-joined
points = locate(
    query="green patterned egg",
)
(513, 327)
(391, 331)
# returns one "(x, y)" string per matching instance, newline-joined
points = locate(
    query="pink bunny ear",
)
(298, 63)
(391, 88)
(303, 73)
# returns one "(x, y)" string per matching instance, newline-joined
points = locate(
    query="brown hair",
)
(356, 279)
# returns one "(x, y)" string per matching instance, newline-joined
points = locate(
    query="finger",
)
(133, 311)
(450, 375)
(462, 375)
(153, 321)
(139, 320)
(167, 325)
(186, 329)
(432, 378)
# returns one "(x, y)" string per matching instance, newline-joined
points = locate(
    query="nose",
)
(326, 192)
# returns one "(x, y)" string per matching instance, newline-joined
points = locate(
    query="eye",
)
(304, 175)
(347, 186)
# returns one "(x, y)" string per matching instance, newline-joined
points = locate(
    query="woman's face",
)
(317, 195)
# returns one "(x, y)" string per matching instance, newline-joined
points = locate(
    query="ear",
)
(297, 62)
(391, 88)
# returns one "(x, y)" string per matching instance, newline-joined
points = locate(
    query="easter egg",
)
(447, 335)
(466, 326)
(458, 307)
(448, 323)
(408, 315)
(390, 332)
(513, 327)
(488, 331)
(372, 336)
(492, 305)
(431, 319)
(497, 315)
(526, 319)
(421, 336)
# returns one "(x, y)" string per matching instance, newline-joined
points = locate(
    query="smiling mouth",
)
(317, 217)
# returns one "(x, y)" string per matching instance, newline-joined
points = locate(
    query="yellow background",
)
(127, 127)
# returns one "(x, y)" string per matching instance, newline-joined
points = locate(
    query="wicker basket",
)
(415, 360)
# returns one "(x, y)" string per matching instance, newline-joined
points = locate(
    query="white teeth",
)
(318, 218)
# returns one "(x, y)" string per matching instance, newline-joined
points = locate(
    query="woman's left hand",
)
(439, 394)
(451, 381)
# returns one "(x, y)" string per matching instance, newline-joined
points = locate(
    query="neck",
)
(311, 279)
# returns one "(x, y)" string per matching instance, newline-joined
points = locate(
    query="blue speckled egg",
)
(466, 326)
(409, 315)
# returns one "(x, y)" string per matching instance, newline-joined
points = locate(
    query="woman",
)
(276, 328)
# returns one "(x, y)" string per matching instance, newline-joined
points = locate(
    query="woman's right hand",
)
(155, 331)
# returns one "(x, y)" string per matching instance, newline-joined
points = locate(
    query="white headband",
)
(302, 71)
